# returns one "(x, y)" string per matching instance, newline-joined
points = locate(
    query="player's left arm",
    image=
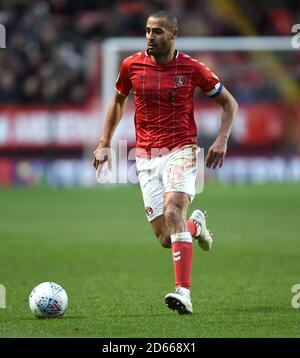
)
(217, 151)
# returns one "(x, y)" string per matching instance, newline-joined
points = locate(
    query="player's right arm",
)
(114, 114)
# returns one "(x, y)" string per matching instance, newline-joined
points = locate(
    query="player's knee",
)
(172, 215)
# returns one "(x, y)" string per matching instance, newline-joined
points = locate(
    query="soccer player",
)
(163, 80)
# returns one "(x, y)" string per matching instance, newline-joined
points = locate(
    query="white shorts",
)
(175, 171)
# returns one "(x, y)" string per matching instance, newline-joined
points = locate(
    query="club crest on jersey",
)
(179, 80)
(149, 210)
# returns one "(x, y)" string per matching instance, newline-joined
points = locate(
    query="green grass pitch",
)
(99, 246)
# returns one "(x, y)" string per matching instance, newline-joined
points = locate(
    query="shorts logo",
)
(179, 80)
(175, 173)
(149, 211)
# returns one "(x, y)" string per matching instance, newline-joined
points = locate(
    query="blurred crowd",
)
(45, 58)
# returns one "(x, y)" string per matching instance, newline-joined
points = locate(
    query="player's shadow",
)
(150, 315)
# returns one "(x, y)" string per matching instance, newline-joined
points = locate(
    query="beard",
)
(158, 51)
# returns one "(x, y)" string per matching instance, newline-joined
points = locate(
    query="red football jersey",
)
(163, 95)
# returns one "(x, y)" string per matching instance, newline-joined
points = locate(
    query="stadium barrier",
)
(258, 125)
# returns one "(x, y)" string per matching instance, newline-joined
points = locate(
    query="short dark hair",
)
(171, 19)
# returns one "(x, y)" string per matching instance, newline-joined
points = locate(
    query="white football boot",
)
(180, 301)
(203, 236)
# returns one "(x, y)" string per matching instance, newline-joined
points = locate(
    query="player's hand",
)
(101, 155)
(216, 154)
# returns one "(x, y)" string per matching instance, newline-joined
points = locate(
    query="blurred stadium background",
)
(95, 240)
(51, 90)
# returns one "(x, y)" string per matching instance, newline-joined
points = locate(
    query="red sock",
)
(182, 252)
(192, 227)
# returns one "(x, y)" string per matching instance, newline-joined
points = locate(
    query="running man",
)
(163, 80)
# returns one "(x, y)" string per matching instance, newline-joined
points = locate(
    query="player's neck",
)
(164, 59)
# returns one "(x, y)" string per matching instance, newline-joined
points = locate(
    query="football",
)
(48, 300)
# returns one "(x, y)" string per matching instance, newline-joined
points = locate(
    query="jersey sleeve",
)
(123, 84)
(207, 80)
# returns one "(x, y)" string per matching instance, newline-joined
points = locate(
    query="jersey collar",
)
(175, 56)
